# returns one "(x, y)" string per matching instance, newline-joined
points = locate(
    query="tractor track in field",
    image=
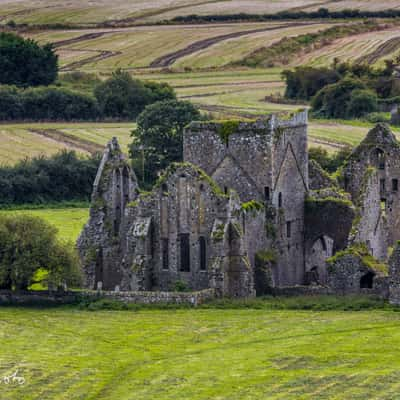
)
(384, 49)
(82, 38)
(168, 59)
(69, 140)
(101, 55)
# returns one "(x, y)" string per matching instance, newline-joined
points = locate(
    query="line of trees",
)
(62, 177)
(120, 97)
(321, 13)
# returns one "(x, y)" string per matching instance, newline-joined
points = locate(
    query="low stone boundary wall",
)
(55, 298)
(193, 298)
(37, 297)
(292, 291)
(380, 289)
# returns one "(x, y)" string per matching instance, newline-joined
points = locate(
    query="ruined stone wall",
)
(370, 226)
(290, 136)
(99, 244)
(354, 270)
(181, 208)
(329, 217)
(247, 156)
(235, 154)
(288, 199)
(394, 276)
(380, 150)
(318, 178)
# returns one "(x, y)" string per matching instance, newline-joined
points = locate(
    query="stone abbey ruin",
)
(246, 213)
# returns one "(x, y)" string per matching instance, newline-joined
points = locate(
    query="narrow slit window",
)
(184, 240)
(266, 194)
(165, 253)
(280, 200)
(288, 229)
(203, 254)
(395, 185)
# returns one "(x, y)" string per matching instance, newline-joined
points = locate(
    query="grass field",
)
(68, 221)
(241, 354)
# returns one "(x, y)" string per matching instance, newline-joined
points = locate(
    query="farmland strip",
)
(169, 59)
(69, 140)
(86, 36)
(384, 49)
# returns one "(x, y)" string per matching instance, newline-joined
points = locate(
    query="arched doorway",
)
(367, 280)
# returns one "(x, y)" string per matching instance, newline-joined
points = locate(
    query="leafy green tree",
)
(23, 62)
(158, 138)
(362, 102)
(28, 245)
(304, 82)
(123, 97)
(333, 100)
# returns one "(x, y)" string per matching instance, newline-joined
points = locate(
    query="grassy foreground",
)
(200, 354)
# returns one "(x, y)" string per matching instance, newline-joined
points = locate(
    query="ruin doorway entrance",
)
(367, 280)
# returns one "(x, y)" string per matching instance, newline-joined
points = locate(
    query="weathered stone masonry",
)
(238, 213)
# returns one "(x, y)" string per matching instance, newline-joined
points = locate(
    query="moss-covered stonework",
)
(318, 177)
(328, 216)
(355, 270)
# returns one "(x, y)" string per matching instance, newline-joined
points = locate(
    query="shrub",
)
(10, 104)
(333, 100)
(377, 117)
(51, 104)
(361, 102)
(329, 162)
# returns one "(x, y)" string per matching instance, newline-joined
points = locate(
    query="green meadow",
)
(223, 354)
